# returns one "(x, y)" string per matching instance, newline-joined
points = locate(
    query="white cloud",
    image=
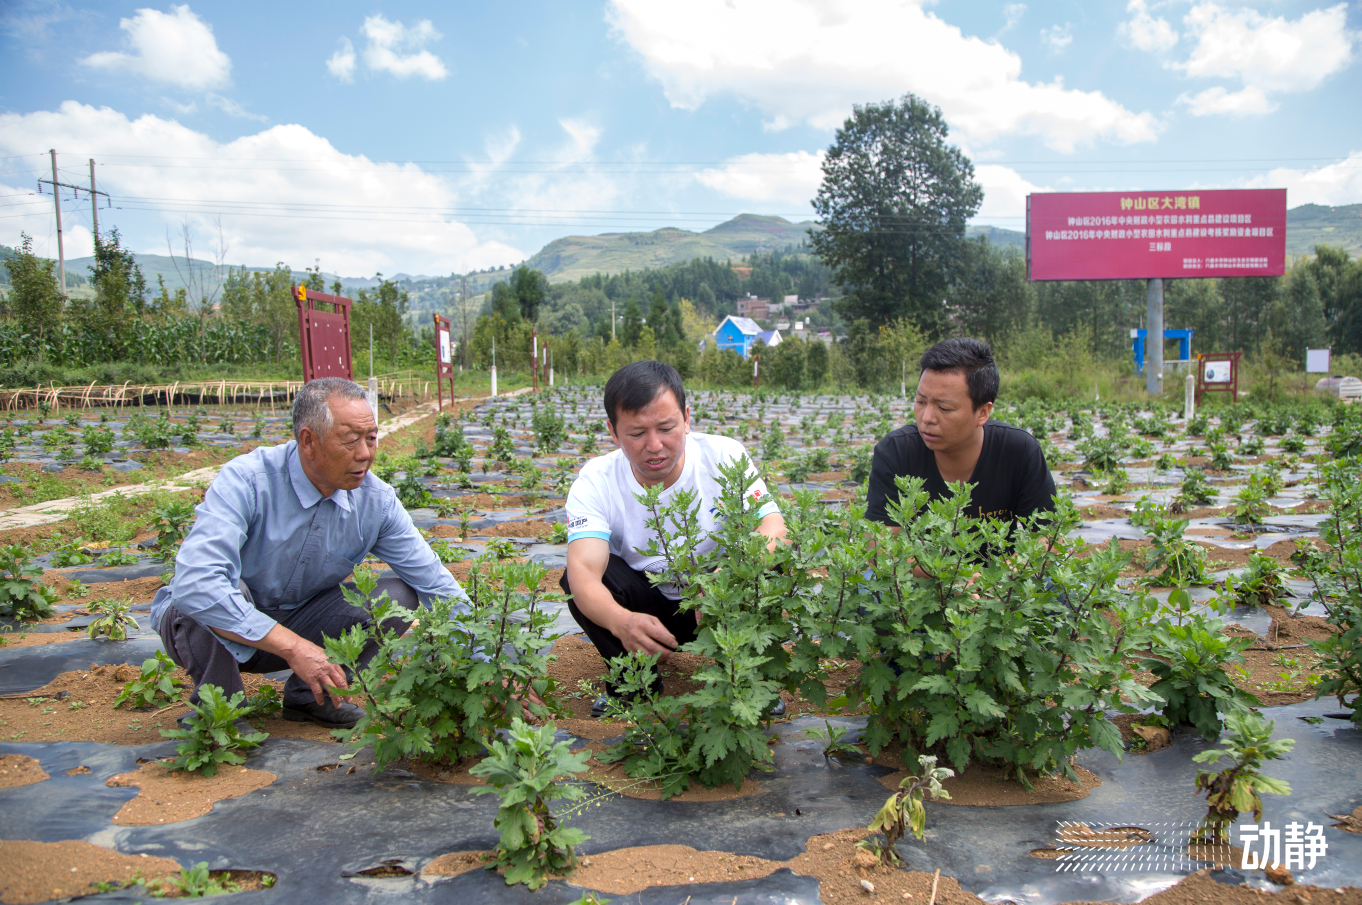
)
(809, 61)
(1267, 55)
(583, 136)
(176, 47)
(395, 48)
(359, 216)
(233, 108)
(1005, 192)
(1334, 184)
(1146, 32)
(341, 64)
(1246, 102)
(1057, 38)
(1012, 14)
(789, 179)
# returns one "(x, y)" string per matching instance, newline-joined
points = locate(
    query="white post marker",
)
(494, 366)
(372, 395)
(1189, 397)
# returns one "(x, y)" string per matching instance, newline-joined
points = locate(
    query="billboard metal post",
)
(534, 358)
(323, 336)
(1153, 374)
(444, 360)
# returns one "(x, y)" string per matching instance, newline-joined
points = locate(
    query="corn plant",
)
(1237, 788)
(210, 736)
(524, 772)
(904, 812)
(443, 690)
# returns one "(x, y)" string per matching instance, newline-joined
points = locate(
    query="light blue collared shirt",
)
(263, 523)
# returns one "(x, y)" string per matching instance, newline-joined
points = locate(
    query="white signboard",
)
(1317, 361)
(1219, 371)
(444, 347)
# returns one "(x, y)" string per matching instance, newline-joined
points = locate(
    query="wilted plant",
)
(1237, 788)
(113, 621)
(903, 811)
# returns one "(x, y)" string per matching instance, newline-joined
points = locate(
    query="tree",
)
(120, 290)
(816, 362)
(894, 202)
(530, 288)
(989, 296)
(34, 299)
(1296, 317)
(384, 309)
(264, 298)
(632, 329)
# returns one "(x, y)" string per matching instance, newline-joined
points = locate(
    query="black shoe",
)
(777, 709)
(601, 706)
(327, 714)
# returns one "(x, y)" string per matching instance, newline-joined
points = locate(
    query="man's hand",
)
(307, 660)
(309, 663)
(642, 632)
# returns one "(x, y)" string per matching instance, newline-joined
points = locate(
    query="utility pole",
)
(612, 318)
(94, 200)
(1153, 364)
(57, 186)
(56, 200)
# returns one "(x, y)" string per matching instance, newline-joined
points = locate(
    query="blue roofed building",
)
(769, 337)
(738, 334)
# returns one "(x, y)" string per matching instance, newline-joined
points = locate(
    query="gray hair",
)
(312, 405)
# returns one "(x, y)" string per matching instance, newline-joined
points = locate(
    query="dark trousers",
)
(326, 615)
(635, 593)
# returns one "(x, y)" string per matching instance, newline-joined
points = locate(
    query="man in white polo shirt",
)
(610, 595)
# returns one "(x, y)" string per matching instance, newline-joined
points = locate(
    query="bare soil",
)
(20, 770)
(168, 796)
(32, 872)
(52, 718)
(991, 786)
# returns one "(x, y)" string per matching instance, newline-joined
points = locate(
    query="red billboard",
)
(1136, 235)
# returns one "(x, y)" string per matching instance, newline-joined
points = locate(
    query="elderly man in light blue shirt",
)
(257, 581)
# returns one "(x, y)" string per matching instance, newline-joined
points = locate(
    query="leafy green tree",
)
(34, 299)
(894, 202)
(1296, 317)
(531, 288)
(1198, 305)
(385, 309)
(264, 298)
(631, 331)
(120, 288)
(990, 296)
(816, 362)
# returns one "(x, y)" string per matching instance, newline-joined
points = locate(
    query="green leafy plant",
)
(1259, 585)
(1250, 504)
(524, 772)
(1182, 562)
(502, 450)
(1237, 789)
(77, 588)
(550, 431)
(773, 444)
(464, 671)
(116, 557)
(1293, 443)
(172, 524)
(1116, 481)
(97, 439)
(23, 596)
(1335, 575)
(904, 812)
(558, 533)
(833, 739)
(1146, 512)
(1190, 667)
(156, 685)
(1101, 454)
(210, 736)
(71, 553)
(1221, 459)
(411, 493)
(113, 621)
(195, 882)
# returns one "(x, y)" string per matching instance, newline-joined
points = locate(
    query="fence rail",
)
(260, 393)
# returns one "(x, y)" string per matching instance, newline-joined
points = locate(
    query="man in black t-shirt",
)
(954, 440)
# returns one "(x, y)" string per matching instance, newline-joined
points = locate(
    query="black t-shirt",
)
(1011, 478)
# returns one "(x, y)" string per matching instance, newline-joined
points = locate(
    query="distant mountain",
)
(997, 236)
(1317, 224)
(574, 257)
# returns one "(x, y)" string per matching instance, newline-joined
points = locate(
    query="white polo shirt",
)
(601, 503)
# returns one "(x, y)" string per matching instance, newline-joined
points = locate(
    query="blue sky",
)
(434, 138)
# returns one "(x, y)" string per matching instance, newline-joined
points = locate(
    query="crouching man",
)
(606, 578)
(257, 581)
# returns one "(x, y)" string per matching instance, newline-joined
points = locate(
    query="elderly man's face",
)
(341, 459)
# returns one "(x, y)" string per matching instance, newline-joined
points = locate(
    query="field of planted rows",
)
(1194, 606)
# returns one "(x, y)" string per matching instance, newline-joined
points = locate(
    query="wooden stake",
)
(935, 879)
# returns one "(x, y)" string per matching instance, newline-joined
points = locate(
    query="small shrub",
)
(195, 882)
(1101, 454)
(1195, 491)
(904, 811)
(71, 553)
(113, 621)
(550, 431)
(524, 772)
(1183, 562)
(97, 439)
(833, 739)
(210, 736)
(1191, 674)
(1259, 585)
(156, 685)
(1250, 504)
(1238, 787)
(172, 524)
(23, 596)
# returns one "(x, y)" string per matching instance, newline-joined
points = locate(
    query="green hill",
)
(1317, 224)
(574, 257)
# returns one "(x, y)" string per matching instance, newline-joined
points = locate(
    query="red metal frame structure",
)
(323, 336)
(1209, 365)
(444, 360)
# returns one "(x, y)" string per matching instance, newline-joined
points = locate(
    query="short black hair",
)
(634, 386)
(966, 356)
